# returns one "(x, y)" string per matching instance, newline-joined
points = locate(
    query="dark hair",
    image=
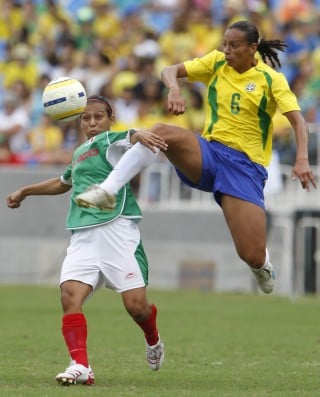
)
(104, 100)
(266, 48)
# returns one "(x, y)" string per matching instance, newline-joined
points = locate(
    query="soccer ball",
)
(64, 99)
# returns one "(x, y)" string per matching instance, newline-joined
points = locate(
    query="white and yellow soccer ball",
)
(64, 99)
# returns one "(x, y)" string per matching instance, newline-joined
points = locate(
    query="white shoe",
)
(76, 373)
(96, 197)
(155, 355)
(265, 278)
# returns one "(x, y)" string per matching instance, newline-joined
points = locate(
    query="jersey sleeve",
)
(201, 69)
(66, 176)
(285, 98)
(119, 143)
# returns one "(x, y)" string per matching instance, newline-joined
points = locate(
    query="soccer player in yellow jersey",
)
(230, 157)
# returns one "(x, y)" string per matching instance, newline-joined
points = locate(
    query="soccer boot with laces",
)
(265, 278)
(155, 355)
(76, 373)
(96, 197)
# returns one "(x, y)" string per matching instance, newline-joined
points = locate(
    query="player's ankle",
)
(107, 188)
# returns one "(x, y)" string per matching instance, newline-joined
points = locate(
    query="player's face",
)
(95, 119)
(238, 52)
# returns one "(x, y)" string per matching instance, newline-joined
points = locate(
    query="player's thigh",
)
(123, 262)
(82, 260)
(247, 224)
(183, 151)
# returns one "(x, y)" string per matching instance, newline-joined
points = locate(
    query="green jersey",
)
(91, 164)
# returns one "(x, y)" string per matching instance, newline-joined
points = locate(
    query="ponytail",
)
(268, 49)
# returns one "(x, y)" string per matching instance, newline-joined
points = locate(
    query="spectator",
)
(298, 51)
(161, 13)
(178, 42)
(23, 93)
(36, 105)
(45, 141)
(126, 108)
(14, 122)
(195, 115)
(98, 70)
(106, 23)
(11, 21)
(20, 66)
(207, 34)
(149, 47)
(69, 64)
(49, 20)
(85, 35)
(233, 11)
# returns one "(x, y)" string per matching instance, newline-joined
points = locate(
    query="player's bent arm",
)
(170, 75)
(51, 186)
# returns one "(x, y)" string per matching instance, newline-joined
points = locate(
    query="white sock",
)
(267, 259)
(130, 164)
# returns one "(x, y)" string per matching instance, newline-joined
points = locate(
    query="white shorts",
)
(111, 254)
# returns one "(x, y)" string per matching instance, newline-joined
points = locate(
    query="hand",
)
(150, 140)
(301, 170)
(176, 102)
(14, 199)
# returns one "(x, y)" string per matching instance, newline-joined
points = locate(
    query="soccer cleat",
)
(155, 355)
(265, 278)
(76, 373)
(96, 197)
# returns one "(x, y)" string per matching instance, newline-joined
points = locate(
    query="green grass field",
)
(216, 345)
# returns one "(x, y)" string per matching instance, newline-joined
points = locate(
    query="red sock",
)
(149, 327)
(74, 330)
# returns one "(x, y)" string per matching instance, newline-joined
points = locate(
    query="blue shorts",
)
(229, 171)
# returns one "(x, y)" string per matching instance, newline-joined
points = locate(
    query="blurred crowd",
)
(117, 49)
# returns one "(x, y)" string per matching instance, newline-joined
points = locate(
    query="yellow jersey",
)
(240, 106)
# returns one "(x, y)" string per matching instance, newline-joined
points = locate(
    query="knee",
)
(66, 299)
(166, 131)
(139, 310)
(159, 129)
(69, 300)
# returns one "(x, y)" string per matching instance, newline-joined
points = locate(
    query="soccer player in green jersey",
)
(230, 157)
(105, 247)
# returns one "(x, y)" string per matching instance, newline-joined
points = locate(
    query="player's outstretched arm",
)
(51, 186)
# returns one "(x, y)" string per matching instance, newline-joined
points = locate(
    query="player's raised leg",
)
(183, 151)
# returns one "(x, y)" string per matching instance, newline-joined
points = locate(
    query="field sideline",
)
(218, 345)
